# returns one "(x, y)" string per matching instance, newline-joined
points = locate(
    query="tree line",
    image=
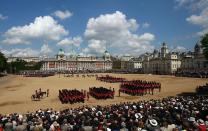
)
(17, 66)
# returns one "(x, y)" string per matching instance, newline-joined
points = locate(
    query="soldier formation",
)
(37, 74)
(71, 96)
(139, 87)
(101, 92)
(80, 75)
(110, 79)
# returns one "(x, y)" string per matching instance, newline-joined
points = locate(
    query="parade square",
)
(16, 91)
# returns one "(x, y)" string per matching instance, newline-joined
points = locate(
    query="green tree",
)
(21, 65)
(17, 65)
(204, 42)
(37, 66)
(3, 62)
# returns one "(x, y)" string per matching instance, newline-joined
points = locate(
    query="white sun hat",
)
(153, 122)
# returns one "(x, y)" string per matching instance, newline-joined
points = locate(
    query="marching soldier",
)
(47, 92)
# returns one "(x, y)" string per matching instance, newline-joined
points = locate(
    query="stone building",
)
(27, 59)
(194, 61)
(77, 63)
(161, 61)
(135, 64)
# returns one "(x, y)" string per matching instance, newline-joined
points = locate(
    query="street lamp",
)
(59, 68)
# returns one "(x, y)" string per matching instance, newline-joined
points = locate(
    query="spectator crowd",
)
(168, 114)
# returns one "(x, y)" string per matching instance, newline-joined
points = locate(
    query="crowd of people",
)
(168, 114)
(110, 79)
(203, 90)
(36, 74)
(139, 87)
(71, 96)
(101, 92)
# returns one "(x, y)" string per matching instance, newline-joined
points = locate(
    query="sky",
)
(89, 27)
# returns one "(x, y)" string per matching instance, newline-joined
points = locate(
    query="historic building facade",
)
(77, 63)
(194, 61)
(27, 59)
(161, 62)
(135, 63)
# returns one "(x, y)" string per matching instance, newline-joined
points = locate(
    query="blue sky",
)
(123, 26)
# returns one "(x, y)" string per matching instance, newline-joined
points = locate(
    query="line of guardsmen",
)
(71, 96)
(110, 79)
(37, 74)
(139, 87)
(101, 92)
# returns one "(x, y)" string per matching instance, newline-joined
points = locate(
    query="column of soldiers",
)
(101, 92)
(71, 96)
(37, 74)
(110, 79)
(139, 87)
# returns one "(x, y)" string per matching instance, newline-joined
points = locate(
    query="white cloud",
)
(76, 41)
(63, 14)
(18, 52)
(3, 17)
(27, 52)
(95, 47)
(179, 49)
(117, 32)
(44, 27)
(133, 25)
(45, 49)
(183, 2)
(15, 40)
(201, 18)
(146, 25)
(147, 37)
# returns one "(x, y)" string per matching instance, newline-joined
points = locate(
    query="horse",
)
(42, 93)
(35, 97)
